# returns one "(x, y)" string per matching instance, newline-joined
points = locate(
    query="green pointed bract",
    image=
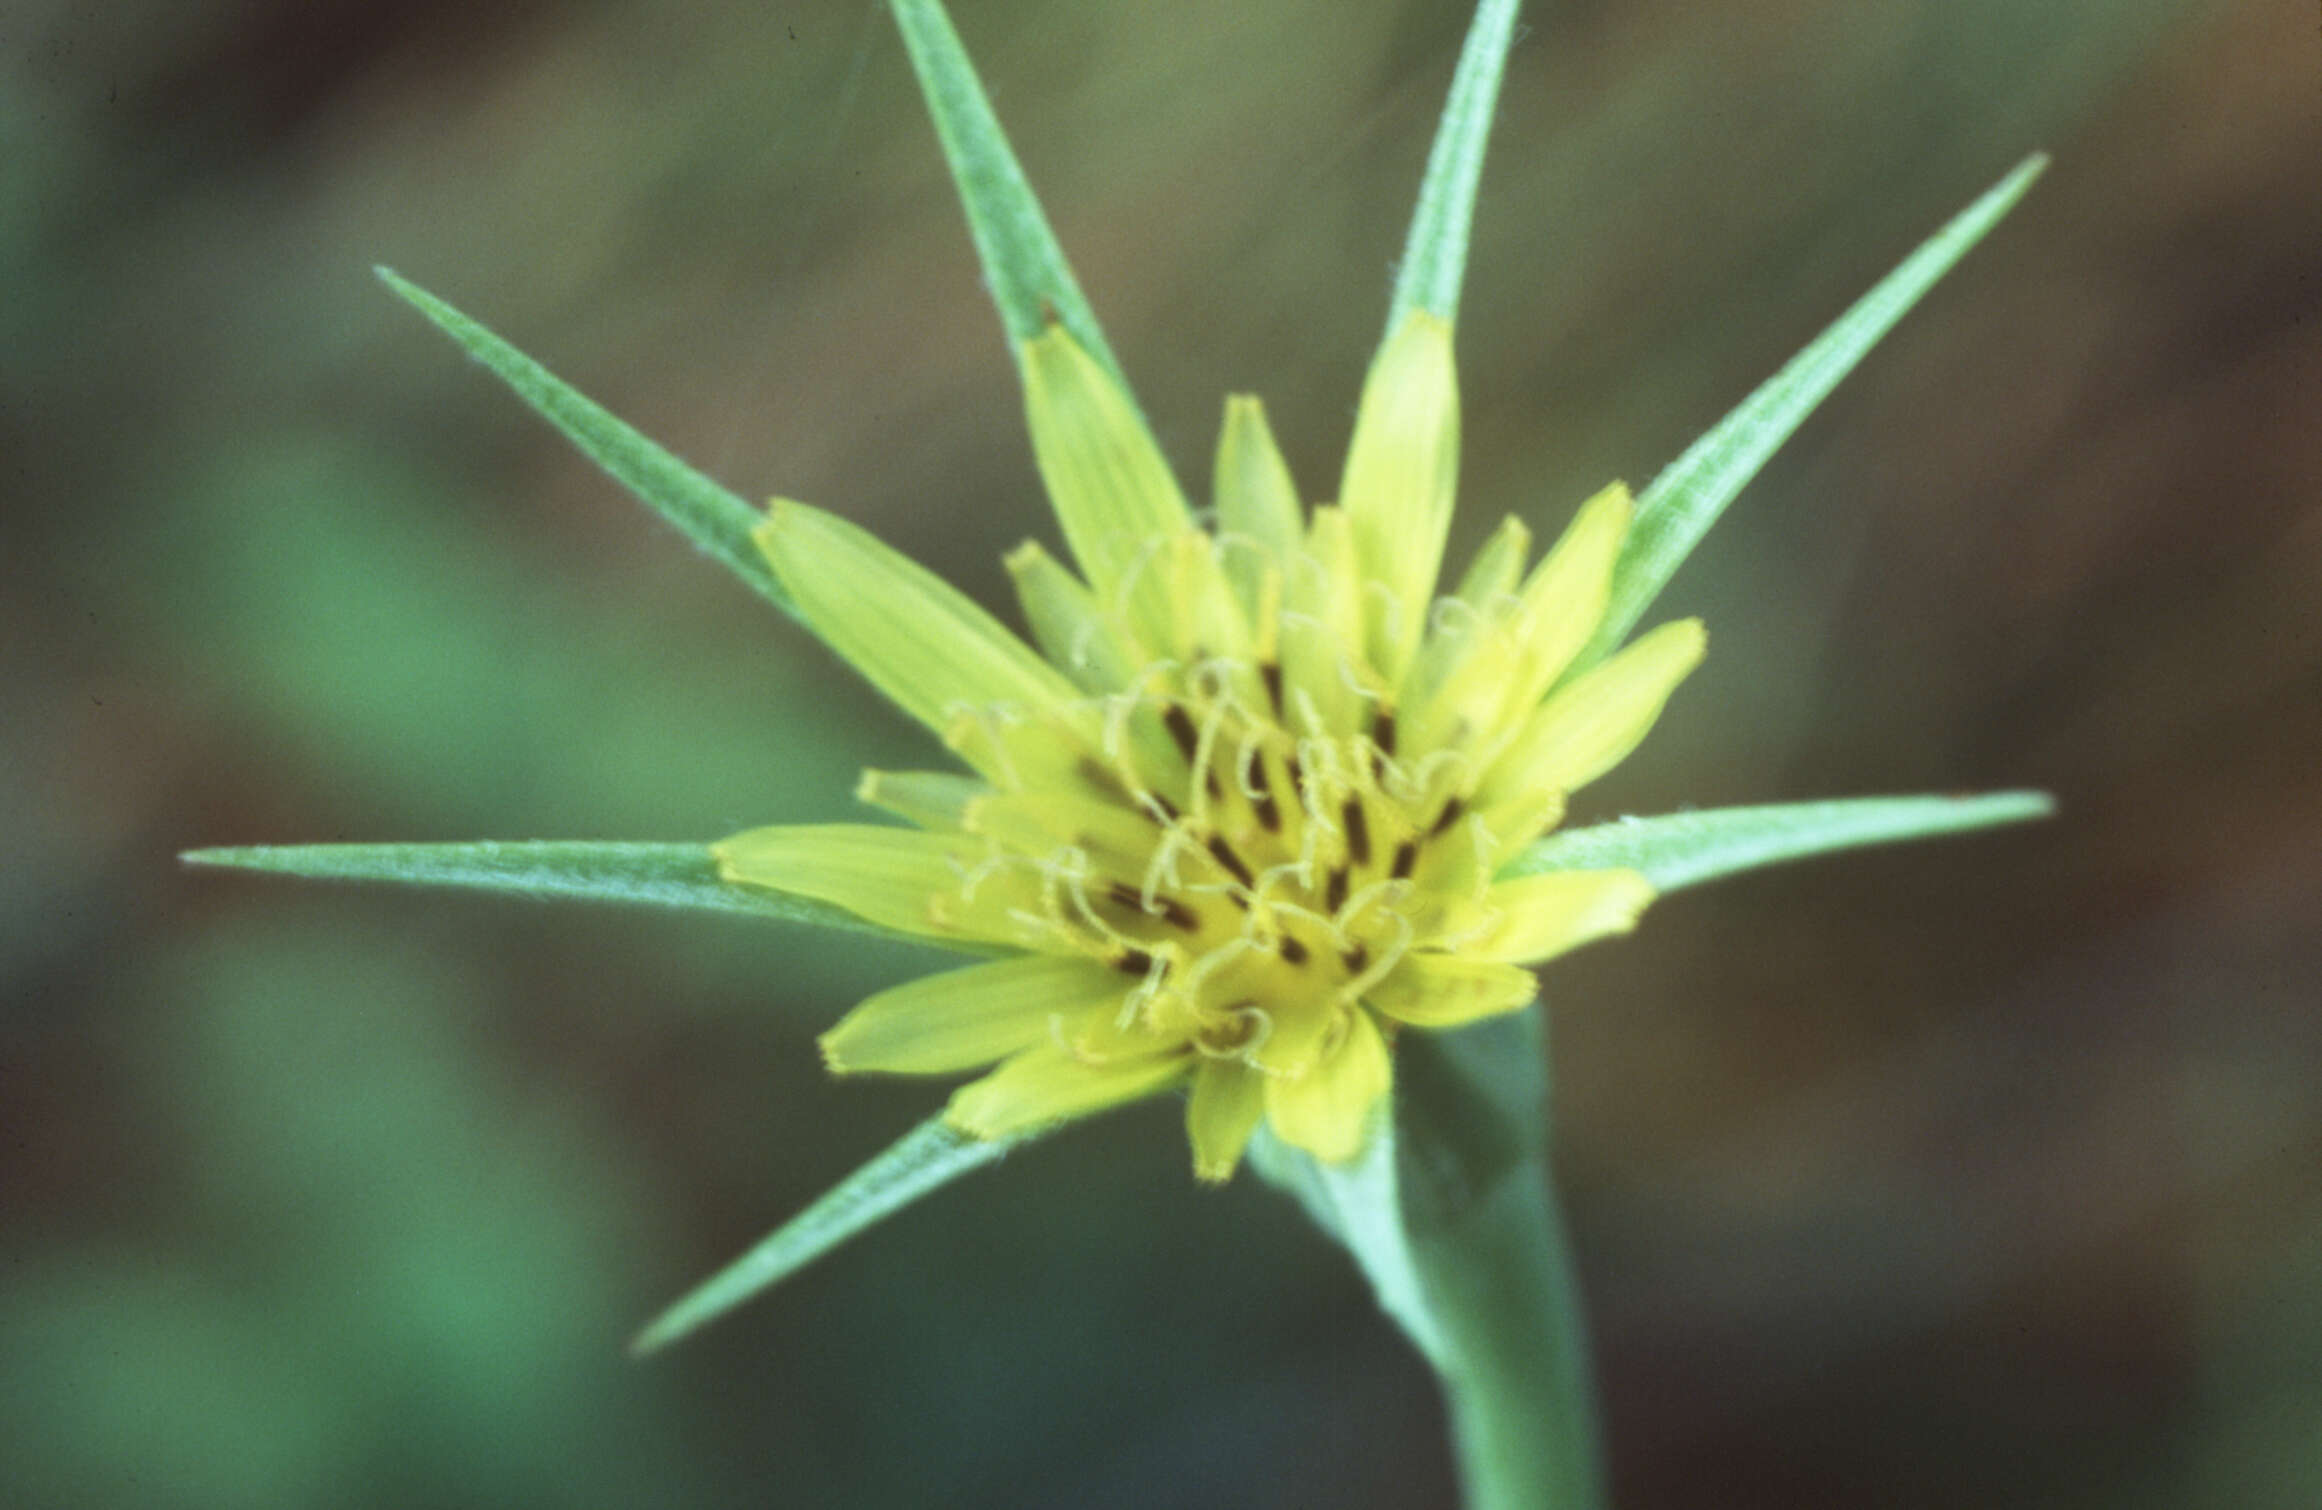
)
(1435, 251)
(1023, 265)
(711, 517)
(1690, 494)
(1686, 849)
(929, 1157)
(683, 876)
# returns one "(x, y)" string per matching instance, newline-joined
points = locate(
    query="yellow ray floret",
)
(965, 1019)
(1112, 489)
(1401, 470)
(919, 639)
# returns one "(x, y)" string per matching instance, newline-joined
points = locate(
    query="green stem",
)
(1523, 1408)
(1490, 1250)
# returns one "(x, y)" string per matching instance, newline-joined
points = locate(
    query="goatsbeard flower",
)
(1262, 797)
(1240, 818)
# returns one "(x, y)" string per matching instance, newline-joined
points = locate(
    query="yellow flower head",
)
(1241, 816)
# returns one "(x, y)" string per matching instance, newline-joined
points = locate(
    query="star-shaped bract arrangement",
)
(1255, 800)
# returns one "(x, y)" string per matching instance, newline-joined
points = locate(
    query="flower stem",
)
(1490, 1248)
(1523, 1409)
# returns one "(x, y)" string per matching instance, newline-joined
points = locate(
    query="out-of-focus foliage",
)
(1972, 1176)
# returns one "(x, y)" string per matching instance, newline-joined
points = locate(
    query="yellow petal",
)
(1210, 620)
(1258, 518)
(1498, 565)
(1327, 1111)
(1297, 1033)
(1401, 469)
(1592, 723)
(1322, 618)
(1537, 917)
(964, 1018)
(1446, 990)
(1496, 666)
(1227, 1101)
(1048, 1084)
(1093, 647)
(1469, 637)
(1052, 749)
(1455, 867)
(1118, 839)
(1565, 599)
(923, 883)
(1113, 492)
(913, 635)
(931, 799)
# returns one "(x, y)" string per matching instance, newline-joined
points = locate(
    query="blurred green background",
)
(1980, 1174)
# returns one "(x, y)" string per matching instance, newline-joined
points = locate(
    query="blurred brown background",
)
(1979, 1174)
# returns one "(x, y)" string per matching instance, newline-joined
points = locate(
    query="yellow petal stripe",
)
(1327, 1110)
(1448, 990)
(1592, 723)
(914, 636)
(897, 877)
(1565, 598)
(962, 1019)
(1113, 492)
(1497, 566)
(1049, 1084)
(1538, 917)
(1258, 518)
(931, 799)
(1322, 629)
(1094, 648)
(1504, 652)
(1401, 469)
(1228, 1100)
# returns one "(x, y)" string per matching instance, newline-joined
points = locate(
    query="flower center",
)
(1254, 872)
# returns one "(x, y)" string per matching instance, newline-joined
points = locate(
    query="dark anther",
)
(1270, 673)
(1334, 890)
(1166, 806)
(1383, 730)
(1097, 776)
(1406, 856)
(1173, 912)
(1133, 962)
(1292, 952)
(1269, 815)
(1224, 854)
(1450, 815)
(1180, 726)
(1358, 831)
(1355, 957)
